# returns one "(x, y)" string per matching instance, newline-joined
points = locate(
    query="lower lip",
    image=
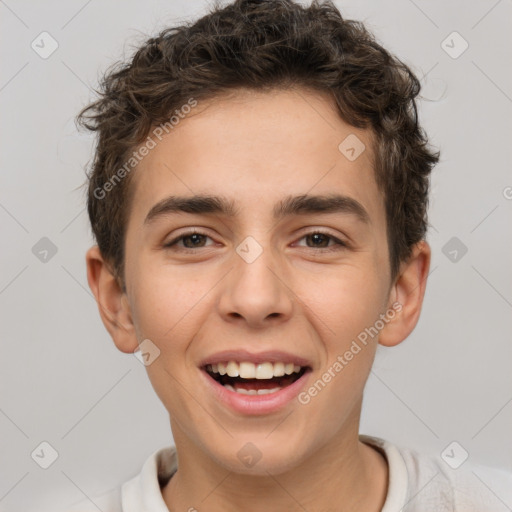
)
(255, 404)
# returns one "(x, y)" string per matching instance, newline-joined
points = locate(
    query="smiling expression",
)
(254, 244)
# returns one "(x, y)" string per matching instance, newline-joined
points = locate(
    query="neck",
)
(343, 475)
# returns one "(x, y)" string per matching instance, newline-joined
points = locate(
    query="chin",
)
(258, 458)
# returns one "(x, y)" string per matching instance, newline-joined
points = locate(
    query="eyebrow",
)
(291, 205)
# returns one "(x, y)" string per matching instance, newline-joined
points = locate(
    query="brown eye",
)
(322, 241)
(318, 239)
(192, 240)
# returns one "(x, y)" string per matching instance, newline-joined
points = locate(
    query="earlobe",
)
(112, 302)
(408, 292)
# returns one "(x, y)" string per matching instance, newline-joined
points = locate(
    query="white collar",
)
(143, 493)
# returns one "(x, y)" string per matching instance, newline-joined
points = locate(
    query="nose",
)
(256, 292)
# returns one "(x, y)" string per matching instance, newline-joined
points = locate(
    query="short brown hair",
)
(263, 45)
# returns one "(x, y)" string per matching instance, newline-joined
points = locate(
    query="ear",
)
(112, 302)
(407, 295)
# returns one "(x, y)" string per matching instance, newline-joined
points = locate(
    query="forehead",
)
(256, 148)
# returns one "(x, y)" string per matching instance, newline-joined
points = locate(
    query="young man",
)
(259, 197)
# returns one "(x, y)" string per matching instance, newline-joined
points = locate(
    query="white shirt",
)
(417, 483)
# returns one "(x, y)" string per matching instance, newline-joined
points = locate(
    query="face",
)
(256, 282)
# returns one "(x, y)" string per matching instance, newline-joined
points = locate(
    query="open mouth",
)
(255, 379)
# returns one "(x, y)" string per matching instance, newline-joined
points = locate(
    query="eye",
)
(320, 240)
(191, 240)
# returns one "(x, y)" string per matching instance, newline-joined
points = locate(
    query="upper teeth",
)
(247, 370)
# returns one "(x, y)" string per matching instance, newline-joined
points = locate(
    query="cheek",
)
(165, 300)
(167, 309)
(343, 301)
(340, 313)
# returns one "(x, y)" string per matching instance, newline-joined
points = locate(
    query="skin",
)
(257, 148)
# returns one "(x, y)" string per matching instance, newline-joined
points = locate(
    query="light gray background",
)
(62, 379)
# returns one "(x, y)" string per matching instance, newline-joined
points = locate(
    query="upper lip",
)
(240, 356)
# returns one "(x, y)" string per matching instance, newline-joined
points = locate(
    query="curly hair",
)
(262, 45)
